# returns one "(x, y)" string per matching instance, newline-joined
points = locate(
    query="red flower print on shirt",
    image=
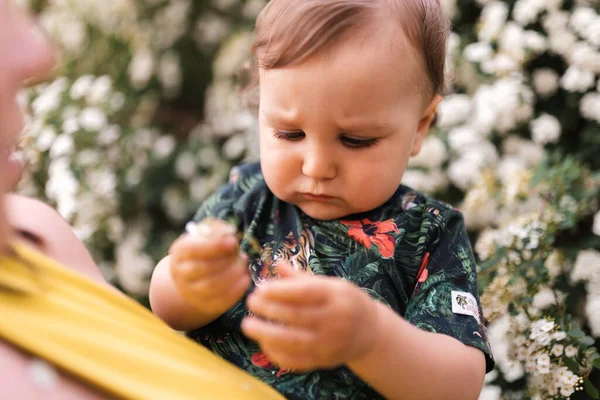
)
(367, 233)
(423, 273)
(261, 360)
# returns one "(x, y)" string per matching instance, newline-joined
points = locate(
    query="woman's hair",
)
(289, 32)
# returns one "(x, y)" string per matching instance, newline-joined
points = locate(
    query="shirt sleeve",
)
(446, 298)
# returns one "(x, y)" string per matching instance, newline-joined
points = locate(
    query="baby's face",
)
(336, 132)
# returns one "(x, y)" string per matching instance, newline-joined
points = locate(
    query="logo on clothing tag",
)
(464, 303)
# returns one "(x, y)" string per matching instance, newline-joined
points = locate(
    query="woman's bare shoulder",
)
(43, 227)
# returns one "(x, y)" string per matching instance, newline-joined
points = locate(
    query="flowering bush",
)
(146, 120)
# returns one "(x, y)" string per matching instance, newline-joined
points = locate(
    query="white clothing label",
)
(464, 303)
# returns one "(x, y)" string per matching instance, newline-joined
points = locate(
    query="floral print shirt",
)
(412, 253)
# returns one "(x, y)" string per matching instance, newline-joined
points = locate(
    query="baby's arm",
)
(202, 278)
(409, 363)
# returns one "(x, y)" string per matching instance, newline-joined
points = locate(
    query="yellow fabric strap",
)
(108, 340)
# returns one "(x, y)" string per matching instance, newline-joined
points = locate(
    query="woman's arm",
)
(409, 363)
(43, 227)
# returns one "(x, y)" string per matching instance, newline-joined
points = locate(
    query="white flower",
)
(433, 154)
(525, 12)
(185, 166)
(164, 146)
(555, 21)
(427, 182)
(512, 41)
(535, 41)
(117, 101)
(133, 266)
(561, 42)
(589, 106)
(478, 52)
(493, 17)
(70, 125)
(582, 18)
(99, 90)
(93, 119)
(501, 65)
(46, 102)
(566, 392)
(62, 187)
(109, 135)
(557, 350)
(462, 137)
(596, 227)
(45, 138)
(545, 81)
(523, 152)
(174, 204)
(207, 156)
(543, 359)
(169, 73)
(585, 56)
(571, 351)
(234, 147)
(592, 312)
(545, 129)
(454, 110)
(558, 336)
(544, 338)
(141, 68)
(587, 266)
(81, 86)
(210, 29)
(63, 145)
(490, 393)
(450, 8)
(577, 80)
(543, 299)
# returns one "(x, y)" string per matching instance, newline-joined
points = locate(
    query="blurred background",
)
(144, 120)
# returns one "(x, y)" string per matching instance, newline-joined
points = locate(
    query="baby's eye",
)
(287, 135)
(358, 143)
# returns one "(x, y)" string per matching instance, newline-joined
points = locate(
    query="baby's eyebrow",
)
(376, 127)
(279, 117)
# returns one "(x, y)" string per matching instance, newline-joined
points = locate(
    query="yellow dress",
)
(108, 340)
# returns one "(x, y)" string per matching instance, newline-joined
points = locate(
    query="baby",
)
(336, 281)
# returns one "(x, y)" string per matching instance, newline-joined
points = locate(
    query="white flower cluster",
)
(536, 348)
(498, 106)
(587, 269)
(541, 353)
(88, 159)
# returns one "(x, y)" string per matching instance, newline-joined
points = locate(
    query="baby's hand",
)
(311, 322)
(208, 268)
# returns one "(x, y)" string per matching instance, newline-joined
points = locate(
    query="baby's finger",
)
(277, 335)
(307, 290)
(193, 247)
(221, 281)
(288, 313)
(192, 270)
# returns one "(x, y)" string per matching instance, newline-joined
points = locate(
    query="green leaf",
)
(597, 363)
(572, 365)
(586, 340)
(576, 333)
(590, 389)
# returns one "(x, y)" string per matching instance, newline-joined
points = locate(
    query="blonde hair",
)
(289, 32)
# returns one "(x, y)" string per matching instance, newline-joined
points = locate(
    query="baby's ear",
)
(425, 123)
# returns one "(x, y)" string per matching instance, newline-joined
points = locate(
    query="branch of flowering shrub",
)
(546, 341)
